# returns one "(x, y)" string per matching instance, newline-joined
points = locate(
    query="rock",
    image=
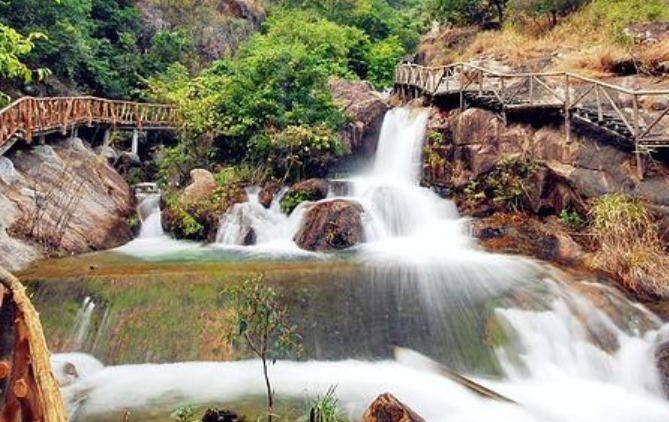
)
(7, 171)
(201, 187)
(216, 415)
(108, 152)
(386, 408)
(64, 199)
(366, 108)
(332, 225)
(662, 363)
(267, 193)
(648, 32)
(547, 240)
(306, 190)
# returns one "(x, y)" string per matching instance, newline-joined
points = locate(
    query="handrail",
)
(606, 105)
(30, 116)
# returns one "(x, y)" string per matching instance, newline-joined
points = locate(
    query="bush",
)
(629, 246)
(505, 184)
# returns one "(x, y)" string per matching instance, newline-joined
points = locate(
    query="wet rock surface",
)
(332, 225)
(306, 190)
(386, 408)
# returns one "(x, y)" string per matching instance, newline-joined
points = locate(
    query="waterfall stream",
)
(548, 347)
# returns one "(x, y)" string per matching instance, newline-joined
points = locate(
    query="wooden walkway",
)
(639, 117)
(29, 117)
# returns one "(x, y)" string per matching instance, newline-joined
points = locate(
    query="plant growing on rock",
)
(505, 184)
(262, 324)
(629, 245)
(572, 219)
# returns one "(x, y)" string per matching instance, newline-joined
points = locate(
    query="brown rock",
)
(267, 193)
(386, 408)
(648, 32)
(366, 108)
(201, 187)
(65, 199)
(332, 225)
(306, 190)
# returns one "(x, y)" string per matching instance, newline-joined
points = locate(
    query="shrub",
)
(629, 246)
(505, 184)
(572, 219)
(326, 408)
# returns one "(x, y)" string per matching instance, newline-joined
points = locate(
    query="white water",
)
(150, 216)
(152, 240)
(564, 360)
(82, 324)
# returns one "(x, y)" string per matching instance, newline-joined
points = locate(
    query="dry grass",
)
(589, 41)
(629, 246)
(597, 61)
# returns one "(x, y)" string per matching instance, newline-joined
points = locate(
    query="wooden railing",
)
(638, 115)
(28, 116)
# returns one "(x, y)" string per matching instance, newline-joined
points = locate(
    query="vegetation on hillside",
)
(270, 105)
(589, 34)
(629, 245)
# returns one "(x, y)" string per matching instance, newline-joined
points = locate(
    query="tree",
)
(553, 9)
(262, 324)
(13, 48)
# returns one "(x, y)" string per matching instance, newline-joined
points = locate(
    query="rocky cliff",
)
(59, 198)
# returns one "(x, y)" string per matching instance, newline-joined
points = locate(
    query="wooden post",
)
(567, 109)
(531, 90)
(637, 149)
(135, 141)
(462, 91)
(106, 140)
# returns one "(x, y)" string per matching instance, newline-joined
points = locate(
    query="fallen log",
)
(416, 360)
(29, 392)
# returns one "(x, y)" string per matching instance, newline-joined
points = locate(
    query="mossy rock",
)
(306, 190)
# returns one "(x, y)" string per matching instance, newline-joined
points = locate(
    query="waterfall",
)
(266, 229)
(82, 324)
(150, 215)
(554, 352)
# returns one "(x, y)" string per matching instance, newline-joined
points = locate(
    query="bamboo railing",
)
(29, 116)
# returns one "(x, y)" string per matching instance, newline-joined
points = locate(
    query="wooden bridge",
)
(29, 117)
(639, 117)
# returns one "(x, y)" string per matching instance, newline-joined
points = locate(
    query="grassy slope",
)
(591, 41)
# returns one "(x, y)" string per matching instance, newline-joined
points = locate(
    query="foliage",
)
(434, 157)
(186, 413)
(468, 12)
(199, 220)
(553, 9)
(296, 152)
(382, 59)
(262, 324)
(505, 184)
(629, 245)
(325, 408)
(13, 48)
(572, 219)
(95, 44)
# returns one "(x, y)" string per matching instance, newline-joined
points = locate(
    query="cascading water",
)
(265, 229)
(82, 324)
(150, 216)
(544, 343)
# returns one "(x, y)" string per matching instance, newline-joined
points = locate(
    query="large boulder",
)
(366, 108)
(331, 225)
(306, 190)
(386, 408)
(648, 32)
(64, 199)
(201, 187)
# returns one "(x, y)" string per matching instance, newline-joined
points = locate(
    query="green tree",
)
(552, 9)
(13, 48)
(262, 325)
